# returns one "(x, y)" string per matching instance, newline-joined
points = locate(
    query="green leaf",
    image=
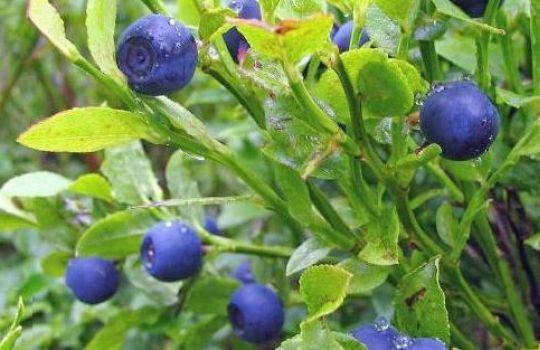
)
(529, 144)
(117, 235)
(8, 207)
(316, 335)
(55, 263)
(292, 40)
(383, 31)
(533, 241)
(382, 239)
(268, 7)
(323, 289)
(450, 9)
(36, 184)
(86, 130)
(238, 213)
(15, 330)
(514, 100)
(295, 192)
(161, 293)
(114, 332)
(48, 21)
(416, 83)
(300, 9)
(182, 185)
(466, 171)
(420, 303)
(293, 343)
(213, 22)
(384, 88)
(348, 342)
(398, 10)
(365, 277)
(210, 295)
(92, 185)
(130, 173)
(447, 224)
(421, 158)
(100, 23)
(308, 253)
(188, 12)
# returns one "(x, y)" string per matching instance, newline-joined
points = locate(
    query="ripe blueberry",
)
(157, 54)
(171, 251)
(474, 8)
(342, 37)
(92, 280)
(426, 344)
(211, 226)
(236, 42)
(380, 336)
(461, 119)
(255, 313)
(243, 273)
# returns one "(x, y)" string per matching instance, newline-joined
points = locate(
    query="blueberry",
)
(171, 251)
(92, 280)
(211, 226)
(342, 38)
(157, 54)
(236, 42)
(461, 119)
(255, 313)
(375, 337)
(426, 344)
(243, 273)
(474, 8)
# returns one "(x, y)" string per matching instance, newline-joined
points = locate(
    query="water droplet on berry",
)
(236, 5)
(437, 87)
(172, 22)
(168, 224)
(419, 100)
(381, 324)
(402, 342)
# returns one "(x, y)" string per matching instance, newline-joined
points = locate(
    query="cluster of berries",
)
(172, 251)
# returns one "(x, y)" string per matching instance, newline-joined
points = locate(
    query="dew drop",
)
(172, 22)
(419, 100)
(437, 87)
(168, 224)
(402, 342)
(381, 324)
(213, 53)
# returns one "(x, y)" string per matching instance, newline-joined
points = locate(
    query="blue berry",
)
(211, 226)
(461, 119)
(157, 54)
(243, 273)
(92, 280)
(474, 8)
(376, 337)
(256, 313)
(236, 42)
(171, 251)
(426, 344)
(342, 38)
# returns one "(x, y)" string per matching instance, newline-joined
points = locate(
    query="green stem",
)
(535, 44)
(482, 46)
(439, 173)
(431, 61)
(459, 339)
(250, 103)
(156, 6)
(509, 55)
(326, 209)
(223, 244)
(355, 36)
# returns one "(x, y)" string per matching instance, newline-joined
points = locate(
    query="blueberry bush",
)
(270, 174)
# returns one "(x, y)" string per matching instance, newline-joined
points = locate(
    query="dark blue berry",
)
(171, 251)
(157, 54)
(426, 344)
(376, 338)
(474, 8)
(342, 38)
(255, 313)
(92, 280)
(236, 42)
(461, 119)
(243, 273)
(211, 226)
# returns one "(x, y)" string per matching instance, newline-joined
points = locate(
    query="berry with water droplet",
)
(171, 251)
(461, 119)
(402, 342)
(379, 336)
(255, 313)
(427, 344)
(152, 48)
